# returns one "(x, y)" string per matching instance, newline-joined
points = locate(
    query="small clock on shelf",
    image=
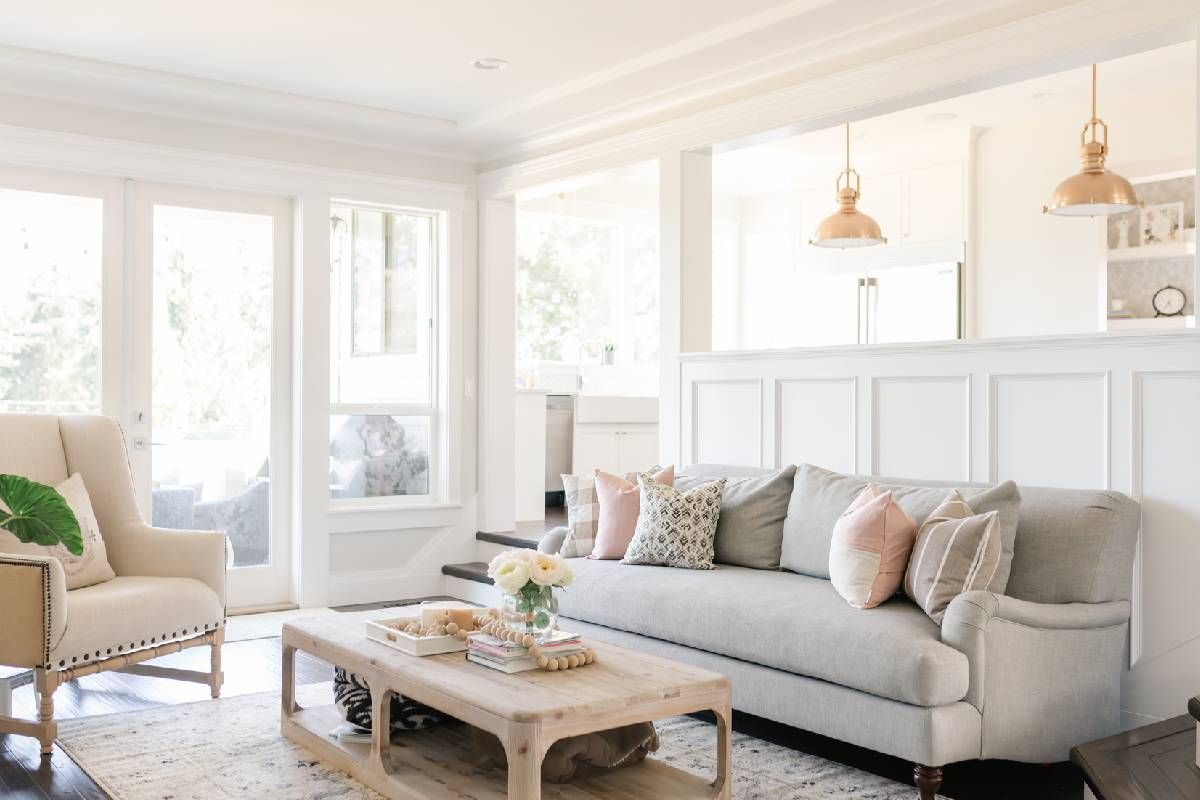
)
(1169, 301)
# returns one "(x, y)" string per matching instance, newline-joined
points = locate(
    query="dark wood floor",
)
(255, 666)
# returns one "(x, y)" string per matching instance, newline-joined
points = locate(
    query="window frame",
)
(442, 489)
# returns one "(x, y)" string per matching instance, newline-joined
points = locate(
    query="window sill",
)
(390, 517)
(388, 507)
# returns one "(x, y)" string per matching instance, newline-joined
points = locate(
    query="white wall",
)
(1038, 274)
(363, 555)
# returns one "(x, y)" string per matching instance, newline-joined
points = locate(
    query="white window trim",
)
(445, 407)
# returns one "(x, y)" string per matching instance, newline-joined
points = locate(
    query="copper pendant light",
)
(1095, 190)
(848, 227)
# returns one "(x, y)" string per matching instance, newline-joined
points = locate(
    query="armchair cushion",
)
(83, 570)
(129, 613)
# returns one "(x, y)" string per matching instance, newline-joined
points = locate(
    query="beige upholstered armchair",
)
(169, 589)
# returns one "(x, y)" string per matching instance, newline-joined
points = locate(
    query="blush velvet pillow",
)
(871, 544)
(620, 503)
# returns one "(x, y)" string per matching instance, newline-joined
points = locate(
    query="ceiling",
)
(398, 73)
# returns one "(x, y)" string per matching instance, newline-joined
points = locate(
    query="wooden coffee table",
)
(528, 712)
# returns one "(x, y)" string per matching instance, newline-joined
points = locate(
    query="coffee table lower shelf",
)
(435, 763)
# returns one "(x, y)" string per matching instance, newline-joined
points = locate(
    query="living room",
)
(794, 399)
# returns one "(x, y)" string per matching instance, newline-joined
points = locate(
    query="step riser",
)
(486, 551)
(471, 591)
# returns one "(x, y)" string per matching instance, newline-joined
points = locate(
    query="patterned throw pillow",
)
(957, 551)
(352, 697)
(871, 543)
(676, 529)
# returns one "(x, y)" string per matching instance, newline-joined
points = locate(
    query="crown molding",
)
(36, 73)
(115, 158)
(1025, 48)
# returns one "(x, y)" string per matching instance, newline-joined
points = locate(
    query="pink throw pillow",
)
(872, 541)
(620, 503)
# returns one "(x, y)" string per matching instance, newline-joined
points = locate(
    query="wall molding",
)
(993, 422)
(965, 380)
(851, 382)
(694, 438)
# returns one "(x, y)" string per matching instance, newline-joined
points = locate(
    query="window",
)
(384, 424)
(50, 246)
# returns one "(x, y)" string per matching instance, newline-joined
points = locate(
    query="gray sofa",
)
(1021, 676)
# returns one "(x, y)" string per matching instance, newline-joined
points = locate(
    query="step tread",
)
(507, 539)
(471, 571)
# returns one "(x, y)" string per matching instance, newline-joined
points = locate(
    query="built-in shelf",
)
(1155, 251)
(1151, 323)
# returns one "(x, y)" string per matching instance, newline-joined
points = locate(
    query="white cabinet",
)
(934, 204)
(614, 448)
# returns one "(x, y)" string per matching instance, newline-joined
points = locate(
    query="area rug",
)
(232, 748)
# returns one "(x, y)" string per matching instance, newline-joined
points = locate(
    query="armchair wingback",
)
(169, 589)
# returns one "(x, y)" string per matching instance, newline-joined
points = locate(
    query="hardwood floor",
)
(255, 666)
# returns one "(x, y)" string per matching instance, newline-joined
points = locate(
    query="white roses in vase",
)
(528, 580)
(514, 570)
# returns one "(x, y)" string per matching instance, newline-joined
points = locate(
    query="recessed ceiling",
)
(400, 72)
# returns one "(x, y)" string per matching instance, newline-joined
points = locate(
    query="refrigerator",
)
(881, 298)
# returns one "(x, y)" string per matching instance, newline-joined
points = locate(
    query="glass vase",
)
(533, 610)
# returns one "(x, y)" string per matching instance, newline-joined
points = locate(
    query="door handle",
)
(858, 325)
(873, 302)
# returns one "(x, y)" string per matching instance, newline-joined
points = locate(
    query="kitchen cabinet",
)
(614, 433)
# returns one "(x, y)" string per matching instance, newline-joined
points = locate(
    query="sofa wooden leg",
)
(46, 682)
(215, 676)
(928, 780)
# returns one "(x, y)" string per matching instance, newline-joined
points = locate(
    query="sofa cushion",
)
(956, 551)
(871, 543)
(820, 496)
(777, 619)
(620, 502)
(675, 528)
(126, 613)
(753, 509)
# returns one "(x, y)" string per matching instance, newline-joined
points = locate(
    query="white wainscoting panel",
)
(1050, 429)
(921, 425)
(727, 422)
(1100, 411)
(816, 421)
(1166, 424)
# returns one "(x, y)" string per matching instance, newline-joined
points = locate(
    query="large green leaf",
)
(37, 514)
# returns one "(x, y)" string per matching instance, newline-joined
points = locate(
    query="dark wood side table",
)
(1156, 762)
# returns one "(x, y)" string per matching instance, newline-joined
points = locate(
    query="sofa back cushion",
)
(820, 496)
(753, 510)
(1070, 546)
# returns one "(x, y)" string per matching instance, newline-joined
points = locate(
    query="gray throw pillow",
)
(820, 496)
(753, 510)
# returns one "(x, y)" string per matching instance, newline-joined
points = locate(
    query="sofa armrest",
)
(1045, 676)
(552, 541)
(33, 596)
(164, 553)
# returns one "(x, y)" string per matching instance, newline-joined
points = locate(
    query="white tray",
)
(378, 630)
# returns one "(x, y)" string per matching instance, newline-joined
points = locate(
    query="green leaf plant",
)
(37, 514)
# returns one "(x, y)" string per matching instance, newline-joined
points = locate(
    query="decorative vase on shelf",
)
(527, 579)
(534, 612)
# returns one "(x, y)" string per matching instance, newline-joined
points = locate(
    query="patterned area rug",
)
(232, 748)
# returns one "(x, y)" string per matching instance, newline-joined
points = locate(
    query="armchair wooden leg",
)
(216, 677)
(47, 729)
(928, 781)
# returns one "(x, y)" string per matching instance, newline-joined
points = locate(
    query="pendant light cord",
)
(847, 148)
(1093, 91)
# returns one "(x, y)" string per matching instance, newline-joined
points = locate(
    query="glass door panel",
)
(217, 363)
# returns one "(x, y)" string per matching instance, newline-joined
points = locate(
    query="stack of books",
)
(508, 657)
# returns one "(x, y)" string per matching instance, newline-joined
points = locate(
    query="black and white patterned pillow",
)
(352, 697)
(674, 528)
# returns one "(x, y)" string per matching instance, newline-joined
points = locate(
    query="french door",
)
(210, 371)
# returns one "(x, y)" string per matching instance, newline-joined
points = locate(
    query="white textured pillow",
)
(676, 529)
(83, 570)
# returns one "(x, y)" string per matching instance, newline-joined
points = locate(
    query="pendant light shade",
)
(848, 227)
(1094, 190)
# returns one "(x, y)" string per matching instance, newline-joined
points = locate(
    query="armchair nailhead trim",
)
(47, 611)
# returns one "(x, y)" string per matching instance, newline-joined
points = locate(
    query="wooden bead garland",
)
(442, 627)
(492, 626)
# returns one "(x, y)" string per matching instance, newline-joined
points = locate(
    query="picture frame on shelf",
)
(1161, 223)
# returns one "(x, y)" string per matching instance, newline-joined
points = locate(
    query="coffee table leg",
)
(524, 750)
(721, 785)
(288, 690)
(381, 727)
